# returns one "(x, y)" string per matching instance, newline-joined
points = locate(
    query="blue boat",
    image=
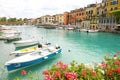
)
(32, 58)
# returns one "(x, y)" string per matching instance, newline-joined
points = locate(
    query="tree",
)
(20, 19)
(3, 19)
(12, 20)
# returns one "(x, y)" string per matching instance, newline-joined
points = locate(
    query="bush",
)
(107, 70)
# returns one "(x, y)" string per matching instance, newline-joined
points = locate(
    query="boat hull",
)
(11, 67)
(92, 31)
(26, 44)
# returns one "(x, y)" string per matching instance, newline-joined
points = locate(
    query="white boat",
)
(70, 28)
(32, 58)
(83, 30)
(23, 43)
(10, 36)
(11, 32)
(92, 31)
(30, 49)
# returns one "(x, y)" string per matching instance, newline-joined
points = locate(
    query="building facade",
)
(59, 19)
(47, 20)
(66, 18)
(107, 22)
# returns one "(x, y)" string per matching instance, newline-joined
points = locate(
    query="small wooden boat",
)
(23, 43)
(32, 58)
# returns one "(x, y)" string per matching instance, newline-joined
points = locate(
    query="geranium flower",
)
(83, 73)
(93, 73)
(71, 75)
(103, 64)
(48, 77)
(117, 70)
(117, 62)
(57, 74)
(23, 72)
(46, 72)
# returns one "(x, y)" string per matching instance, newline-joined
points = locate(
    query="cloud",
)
(37, 8)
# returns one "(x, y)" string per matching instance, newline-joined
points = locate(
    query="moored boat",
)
(10, 37)
(32, 58)
(92, 30)
(23, 43)
(83, 30)
(30, 49)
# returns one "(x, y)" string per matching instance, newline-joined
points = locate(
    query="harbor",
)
(82, 47)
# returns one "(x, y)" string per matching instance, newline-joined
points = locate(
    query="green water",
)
(84, 48)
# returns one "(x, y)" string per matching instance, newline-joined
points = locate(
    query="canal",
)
(79, 46)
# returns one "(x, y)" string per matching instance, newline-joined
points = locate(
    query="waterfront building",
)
(76, 16)
(47, 20)
(90, 16)
(66, 18)
(108, 22)
(30, 21)
(72, 17)
(38, 21)
(85, 24)
(59, 19)
(91, 12)
(80, 15)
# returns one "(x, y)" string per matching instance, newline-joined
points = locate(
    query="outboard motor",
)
(39, 45)
(57, 47)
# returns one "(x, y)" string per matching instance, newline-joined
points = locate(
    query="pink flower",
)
(84, 73)
(23, 72)
(45, 72)
(48, 77)
(93, 73)
(117, 70)
(103, 64)
(57, 74)
(117, 62)
(71, 75)
(59, 63)
(64, 66)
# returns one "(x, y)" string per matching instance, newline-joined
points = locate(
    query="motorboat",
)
(32, 58)
(23, 43)
(30, 49)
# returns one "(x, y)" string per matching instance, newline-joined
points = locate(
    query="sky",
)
(37, 8)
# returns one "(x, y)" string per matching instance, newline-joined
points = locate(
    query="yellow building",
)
(59, 19)
(111, 5)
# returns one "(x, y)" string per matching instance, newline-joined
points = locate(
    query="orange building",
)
(66, 18)
(76, 16)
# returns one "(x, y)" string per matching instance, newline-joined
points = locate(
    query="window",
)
(111, 9)
(115, 8)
